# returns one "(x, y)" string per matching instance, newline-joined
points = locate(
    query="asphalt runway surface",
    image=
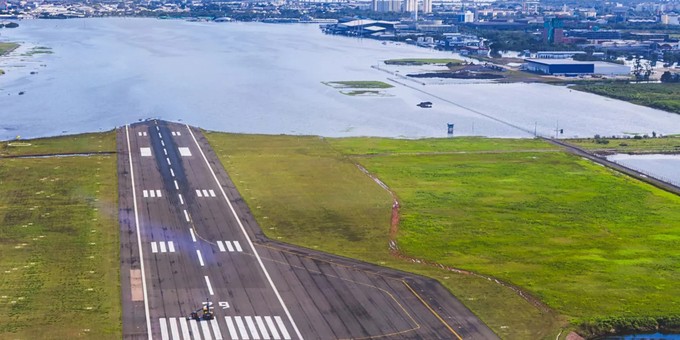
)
(188, 240)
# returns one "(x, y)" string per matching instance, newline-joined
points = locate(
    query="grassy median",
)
(59, 269)
(664, 96)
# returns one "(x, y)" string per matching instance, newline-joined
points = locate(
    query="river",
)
(266, 78)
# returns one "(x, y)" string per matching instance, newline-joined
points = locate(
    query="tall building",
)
(410, 5)
(427, 6)
(374, 5)
(389, 6)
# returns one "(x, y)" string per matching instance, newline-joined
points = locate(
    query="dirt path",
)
(396, 252)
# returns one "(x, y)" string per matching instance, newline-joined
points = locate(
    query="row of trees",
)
(668, 77)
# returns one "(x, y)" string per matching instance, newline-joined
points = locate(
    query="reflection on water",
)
(263, 78)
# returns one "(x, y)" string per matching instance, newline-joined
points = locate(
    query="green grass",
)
(7, 47)
(364, 93)
(660, 96)
(59, 269)
(630, 145)
(364, 146)
(38, 50)
(422, 61)
(588, 242)
(358, 84)
(83, 143)
(302, 191)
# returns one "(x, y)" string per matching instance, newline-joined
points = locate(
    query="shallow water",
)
(661, 166)
(263, 78)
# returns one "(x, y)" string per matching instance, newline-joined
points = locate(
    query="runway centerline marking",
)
(168, 159)
(250, 242)
(186, 215)
(162, 143)
(207, 282)
(200, 258)
(165, 151)
(176, 185)
(181, 200)
(139, 236)
(193, 236)
(172, 172)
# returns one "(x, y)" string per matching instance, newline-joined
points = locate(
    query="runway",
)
(187, 238)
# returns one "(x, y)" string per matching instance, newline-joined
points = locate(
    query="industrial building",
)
(559, 66)
(574, 68)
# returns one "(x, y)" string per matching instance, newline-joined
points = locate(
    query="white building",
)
(670, 19)
(410, 5)
(427, 6)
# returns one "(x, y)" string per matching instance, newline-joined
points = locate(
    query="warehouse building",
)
(573, 68)
(559, 66)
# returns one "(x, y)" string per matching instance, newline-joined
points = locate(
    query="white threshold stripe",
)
(171, 246)
(212, 193)
(252, 328)
(200, 258)
(272, 327)
(198, 193)
(174, 329)
(241, 328)
(250, 243)
(206, 331)
(139, 236)
(194, 329)
(158, 193)
(154, 248)
(205, 193)
(176, 185)
(185, 328)
(152, 193)
(207, 282)
(221, 246)
(162, 245)
(238, 246)
(282, 327)
(181, 200)
(193, 236)
(262, 327)
(146, 193)
(229, 245)
(186, 215)
(231, 328)
(164, 329)
(216, 329)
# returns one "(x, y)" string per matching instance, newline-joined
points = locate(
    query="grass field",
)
(83, 143)
(6, 47)
(660, 96)
(590, 243)
(59, 269)
(670, 144)
(422, 61)
(316, 197)
(358, 84)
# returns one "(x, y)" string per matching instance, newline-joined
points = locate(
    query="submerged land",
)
(573, 245)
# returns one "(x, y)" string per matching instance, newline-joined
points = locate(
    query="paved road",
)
(188, 238)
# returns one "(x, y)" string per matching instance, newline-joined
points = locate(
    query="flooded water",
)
(263, 78)
(663, 167)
